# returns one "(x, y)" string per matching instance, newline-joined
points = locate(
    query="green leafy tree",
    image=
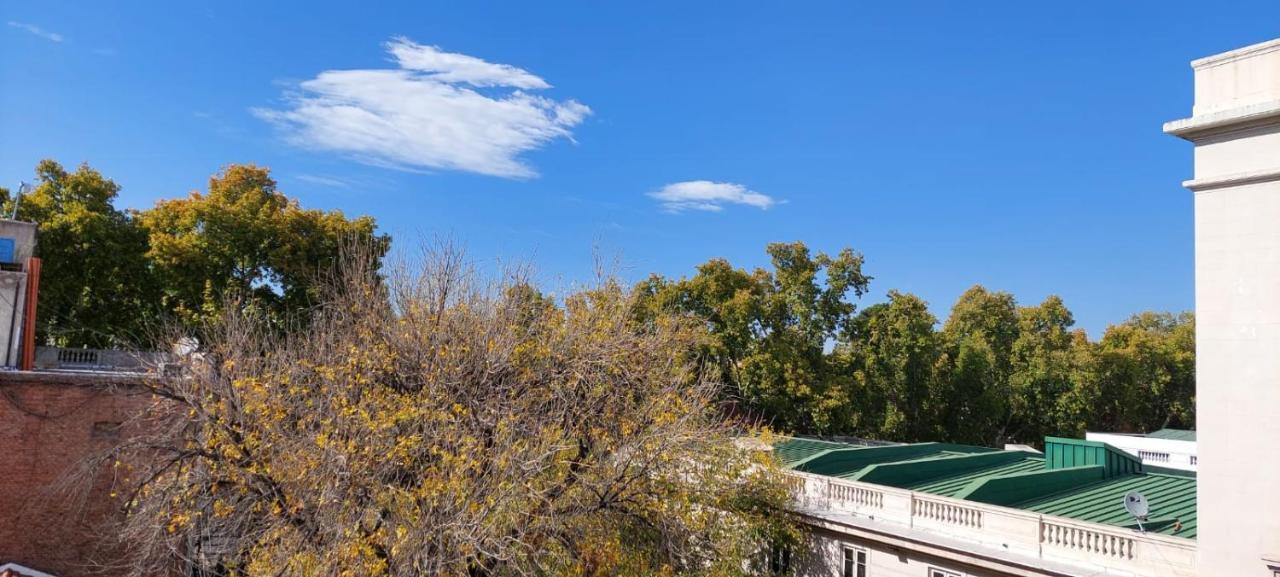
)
(1145, 374)
(96, 288)
(768, 331)
(246, 239)
(974, 392)
(894, 349)
(1043, 371)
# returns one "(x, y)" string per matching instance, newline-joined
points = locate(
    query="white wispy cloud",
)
(709, 196)
(38, 31)
(428, 113)
(322, 180)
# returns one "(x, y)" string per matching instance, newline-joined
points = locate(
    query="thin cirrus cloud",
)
(428, 114)
(709, 196)
(38, 31)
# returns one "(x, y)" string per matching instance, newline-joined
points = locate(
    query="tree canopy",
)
(245, 237)
(113, 276)
(803, 358)
(435, 425)
(98, 289)
(768, 330)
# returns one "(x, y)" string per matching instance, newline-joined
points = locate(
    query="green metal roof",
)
(794, 449)
(1084, 480)
(1060, 453)
(851, 461)
(948, 486)
(1172, 499)
(1173, 434)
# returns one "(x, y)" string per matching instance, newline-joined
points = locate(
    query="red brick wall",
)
(52, 515)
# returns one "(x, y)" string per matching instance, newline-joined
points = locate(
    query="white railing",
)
(1002, 528)
(854, 495)
(946, 512)
(1086, 539)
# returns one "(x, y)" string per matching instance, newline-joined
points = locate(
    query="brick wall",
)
(53, 515)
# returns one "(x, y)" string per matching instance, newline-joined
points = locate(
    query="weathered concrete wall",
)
(52, 518)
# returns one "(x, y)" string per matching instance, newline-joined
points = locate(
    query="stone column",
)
(1235, 126)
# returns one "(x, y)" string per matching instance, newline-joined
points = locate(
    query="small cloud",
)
(428, 113)
(38, 31)
(709, 196)
(105, 51)
(323, 180)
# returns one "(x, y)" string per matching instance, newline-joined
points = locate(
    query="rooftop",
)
(1076, 479)
(1173, 435)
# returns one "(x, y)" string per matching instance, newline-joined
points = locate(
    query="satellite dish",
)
(1136, 504)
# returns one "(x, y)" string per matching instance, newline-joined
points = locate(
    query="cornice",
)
(1217, 123)
(1237, 54)
(1230, 180)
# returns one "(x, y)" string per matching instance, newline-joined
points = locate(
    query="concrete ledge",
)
(1237, 54)
(1230, 180)
(75, 378)
(1245, 117)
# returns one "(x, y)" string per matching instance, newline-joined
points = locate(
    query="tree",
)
(246, 238)
(97, 290)
(1146, 369)
(973, 393)
(1043, 371)
(436, 425)
(894, 350)
(768, 331)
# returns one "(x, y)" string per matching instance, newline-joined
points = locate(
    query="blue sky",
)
(1012, 144)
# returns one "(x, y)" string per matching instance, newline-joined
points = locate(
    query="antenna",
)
(1136, 504)
(23, 188)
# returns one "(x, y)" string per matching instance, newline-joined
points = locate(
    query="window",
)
(935, 572)
(854, 563)
(779, 559)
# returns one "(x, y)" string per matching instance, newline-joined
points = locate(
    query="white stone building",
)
(941, 510)
(1172, 448)
(1235, 126)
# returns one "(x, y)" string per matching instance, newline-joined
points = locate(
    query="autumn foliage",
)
(436, 424)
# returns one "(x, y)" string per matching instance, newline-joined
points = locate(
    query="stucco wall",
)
(1238, 376)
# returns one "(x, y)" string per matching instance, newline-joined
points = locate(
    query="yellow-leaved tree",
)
(429, 423)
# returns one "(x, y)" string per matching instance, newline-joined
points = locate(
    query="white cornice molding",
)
(1199, 127)
(1231, 180)
(1237, 54)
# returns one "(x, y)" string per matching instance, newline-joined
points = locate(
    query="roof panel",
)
(1173, 435)
(1172, 494)
(1171, 497)
(949, 486)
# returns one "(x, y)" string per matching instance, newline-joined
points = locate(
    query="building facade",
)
(1235, 126)
(1172, 448)
(941, 510)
